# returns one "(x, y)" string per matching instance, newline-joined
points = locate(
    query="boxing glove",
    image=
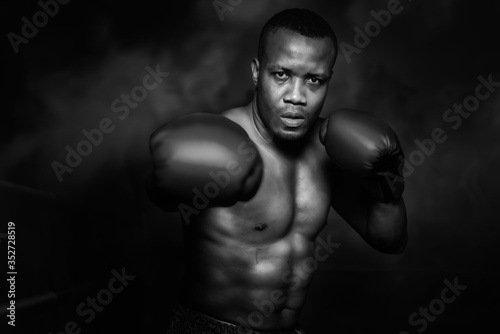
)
(202, 161)
(361, 144)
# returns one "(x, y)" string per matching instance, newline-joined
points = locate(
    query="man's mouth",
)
(292, 120)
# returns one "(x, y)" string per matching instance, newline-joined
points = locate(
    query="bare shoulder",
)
(239, 115)
(317, 129)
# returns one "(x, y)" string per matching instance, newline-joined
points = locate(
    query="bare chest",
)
(293, 198)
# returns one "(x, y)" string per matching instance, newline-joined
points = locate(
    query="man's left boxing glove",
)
(202, 160)
(361, 144)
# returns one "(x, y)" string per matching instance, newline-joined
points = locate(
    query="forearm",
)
(386, 225)
(368, 161)
(382, 225)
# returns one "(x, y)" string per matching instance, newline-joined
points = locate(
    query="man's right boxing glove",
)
(202, 161)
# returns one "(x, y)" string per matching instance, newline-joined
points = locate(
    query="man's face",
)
(292, 81)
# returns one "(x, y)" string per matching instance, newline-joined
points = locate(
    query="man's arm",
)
(202, 157)
(382, 225)
(366, 173)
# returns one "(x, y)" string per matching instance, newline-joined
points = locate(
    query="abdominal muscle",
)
(262, 286)
(250, 264)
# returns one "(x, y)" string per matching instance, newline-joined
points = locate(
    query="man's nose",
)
(295, 93)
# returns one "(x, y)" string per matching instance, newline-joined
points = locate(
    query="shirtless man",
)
(254, 185)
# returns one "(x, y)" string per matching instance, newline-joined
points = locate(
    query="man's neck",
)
(290, 148)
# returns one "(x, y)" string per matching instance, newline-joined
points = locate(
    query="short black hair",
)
(300, 20)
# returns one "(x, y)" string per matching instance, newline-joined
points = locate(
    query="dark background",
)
(70, 235)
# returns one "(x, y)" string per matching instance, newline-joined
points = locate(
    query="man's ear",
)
(255, 70)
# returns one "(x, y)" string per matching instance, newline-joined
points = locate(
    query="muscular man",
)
(254, 185)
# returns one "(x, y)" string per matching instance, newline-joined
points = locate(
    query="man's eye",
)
(280, 75)
(315, 81)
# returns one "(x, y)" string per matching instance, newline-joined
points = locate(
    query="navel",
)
(260, 227)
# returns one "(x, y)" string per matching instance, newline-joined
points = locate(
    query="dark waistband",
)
(187, 320)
